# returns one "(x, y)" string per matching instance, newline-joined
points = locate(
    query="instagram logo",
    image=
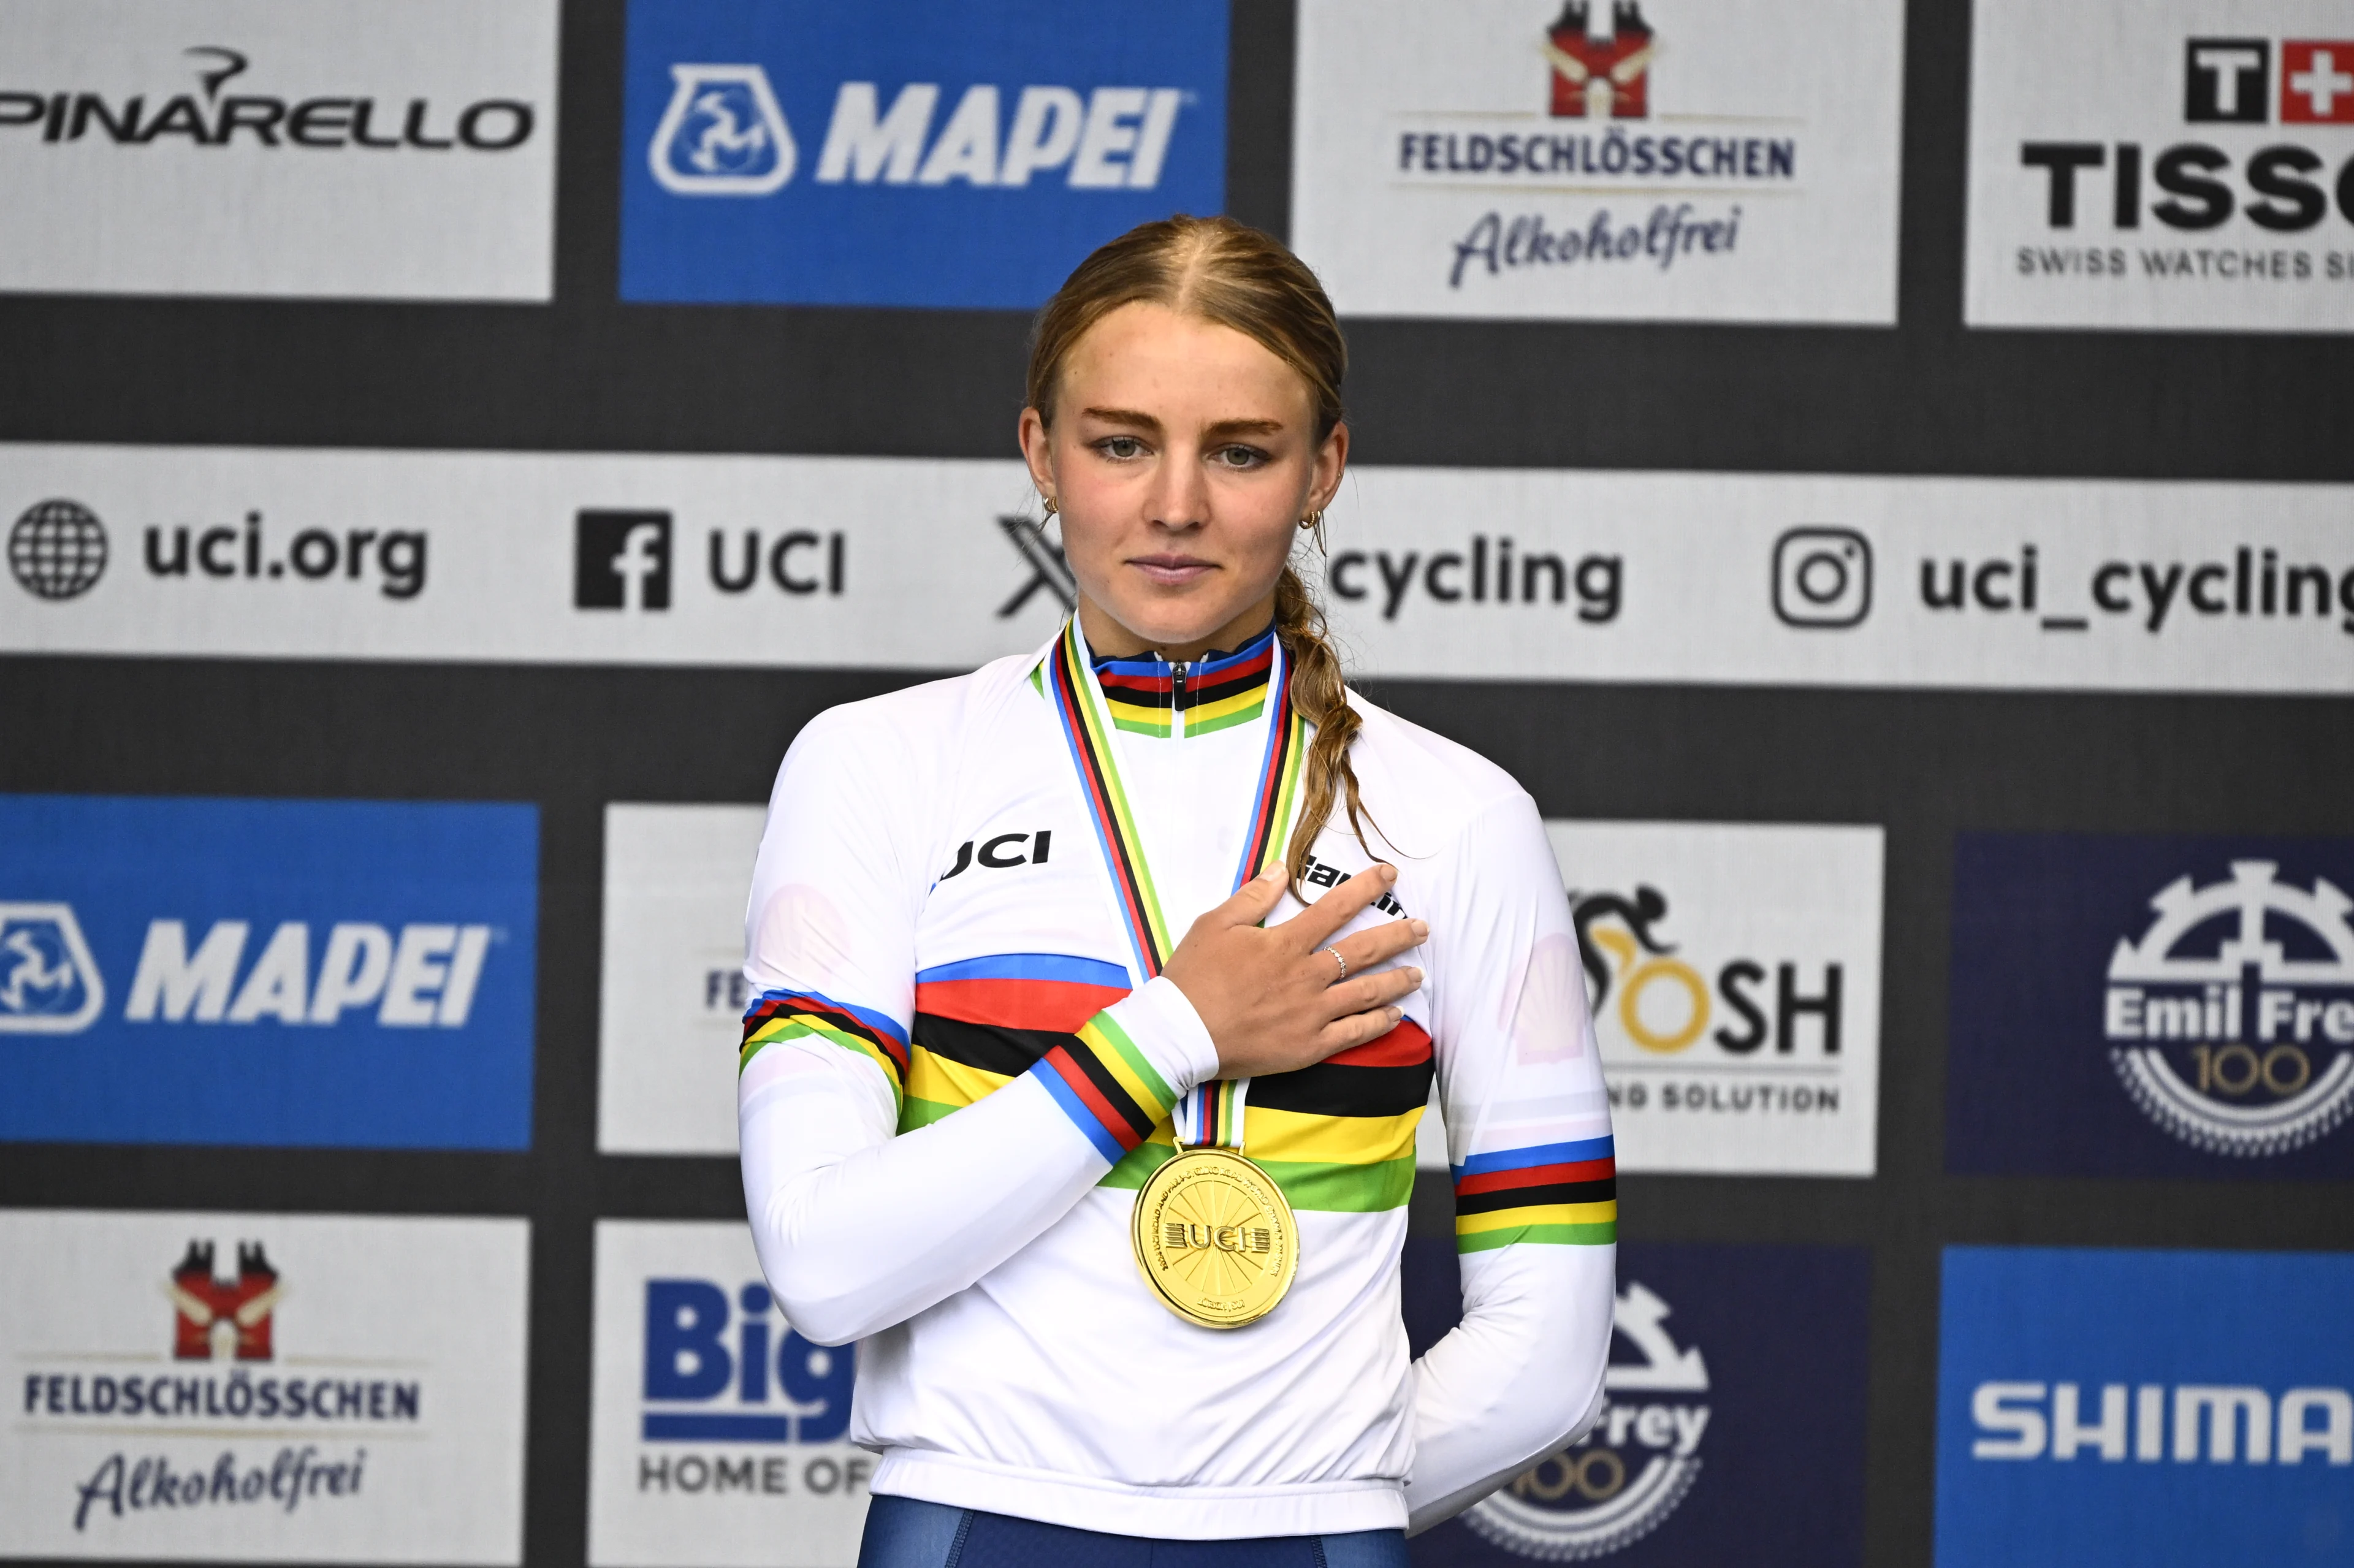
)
(1822, 577)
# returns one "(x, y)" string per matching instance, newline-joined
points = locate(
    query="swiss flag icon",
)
(2316, 83)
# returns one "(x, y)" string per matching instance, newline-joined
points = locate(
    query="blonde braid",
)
(1317, 691)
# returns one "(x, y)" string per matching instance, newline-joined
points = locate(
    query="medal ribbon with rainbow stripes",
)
(1214, 1234)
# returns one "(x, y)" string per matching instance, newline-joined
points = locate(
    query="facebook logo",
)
(621, 560)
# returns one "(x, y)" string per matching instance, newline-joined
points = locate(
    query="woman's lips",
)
(1173, 571)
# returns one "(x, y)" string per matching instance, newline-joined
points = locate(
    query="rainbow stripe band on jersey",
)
(1105, 1086)
(1144, 697)
(1561, 1193)
(787, 1016)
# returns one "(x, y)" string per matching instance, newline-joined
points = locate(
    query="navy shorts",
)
(902, 1532)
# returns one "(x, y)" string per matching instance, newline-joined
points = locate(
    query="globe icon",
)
(56, 550)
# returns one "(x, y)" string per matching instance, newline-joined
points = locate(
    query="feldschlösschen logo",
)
(212, 1315)
(49, 984)
(1624, 1478)
(2230, 1019)
(57, 549)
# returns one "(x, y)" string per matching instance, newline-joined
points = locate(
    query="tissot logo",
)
(621, 560)
(209, 117)
(2226, 81)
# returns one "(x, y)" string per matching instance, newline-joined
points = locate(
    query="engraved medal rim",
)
(1288, 1225)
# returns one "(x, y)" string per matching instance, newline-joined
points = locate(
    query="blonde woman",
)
(1100, 991)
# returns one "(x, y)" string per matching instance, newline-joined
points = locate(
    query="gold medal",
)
(1215, 1238)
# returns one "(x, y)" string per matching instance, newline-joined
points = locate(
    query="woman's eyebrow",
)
(1125, 417)
(1226, 427)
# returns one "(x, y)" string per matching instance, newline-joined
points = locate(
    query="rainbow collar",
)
(1152, 696)
(1084, 712)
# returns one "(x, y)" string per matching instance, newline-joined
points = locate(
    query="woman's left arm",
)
(1535, 1193)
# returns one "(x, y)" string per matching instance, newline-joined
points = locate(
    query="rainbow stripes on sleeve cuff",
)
(789, 1014)
(1561, 1193)
(1106, 1086)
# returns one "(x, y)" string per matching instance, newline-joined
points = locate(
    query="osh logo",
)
(723, 133)
(1601, 76)
(2232, 1021)
(57, 550)
(1621, 1480)
(1641, 989)
(213, 1317)
(49, 984)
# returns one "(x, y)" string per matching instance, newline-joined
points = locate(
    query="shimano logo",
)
(723, 132)
(2225, 1423)
(422, 975)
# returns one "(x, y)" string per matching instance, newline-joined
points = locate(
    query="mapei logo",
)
(2231, 1020)
(49, 984)
(213, 1317)
(1622, 1479)
(724, 133)
(424, 976)
(1598, 75)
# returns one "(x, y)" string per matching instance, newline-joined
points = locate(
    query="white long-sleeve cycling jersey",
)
(953, 1083)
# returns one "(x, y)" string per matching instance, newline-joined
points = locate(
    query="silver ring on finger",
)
(1340, 960)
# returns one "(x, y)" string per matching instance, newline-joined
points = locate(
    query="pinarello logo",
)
(211, 1314)
(1600, 74)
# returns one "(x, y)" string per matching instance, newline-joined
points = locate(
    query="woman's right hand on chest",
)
(1276, 1000)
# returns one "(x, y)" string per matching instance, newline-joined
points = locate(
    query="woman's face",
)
(1182, 457)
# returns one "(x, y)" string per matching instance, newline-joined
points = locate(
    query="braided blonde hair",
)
(1230, 273)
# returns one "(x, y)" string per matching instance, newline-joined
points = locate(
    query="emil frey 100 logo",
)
(2232, 1021)
(1622, 1480)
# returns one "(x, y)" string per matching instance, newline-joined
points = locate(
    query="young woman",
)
(1093, 1030)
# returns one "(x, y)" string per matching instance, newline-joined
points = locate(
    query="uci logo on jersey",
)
(907, 153)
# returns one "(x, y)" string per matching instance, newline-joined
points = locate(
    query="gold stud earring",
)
(1313, 521)
(1048, 502)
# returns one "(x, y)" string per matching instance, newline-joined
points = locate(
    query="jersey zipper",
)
(1177, 704)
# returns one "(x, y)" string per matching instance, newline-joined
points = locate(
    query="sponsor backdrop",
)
(1876, 471)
